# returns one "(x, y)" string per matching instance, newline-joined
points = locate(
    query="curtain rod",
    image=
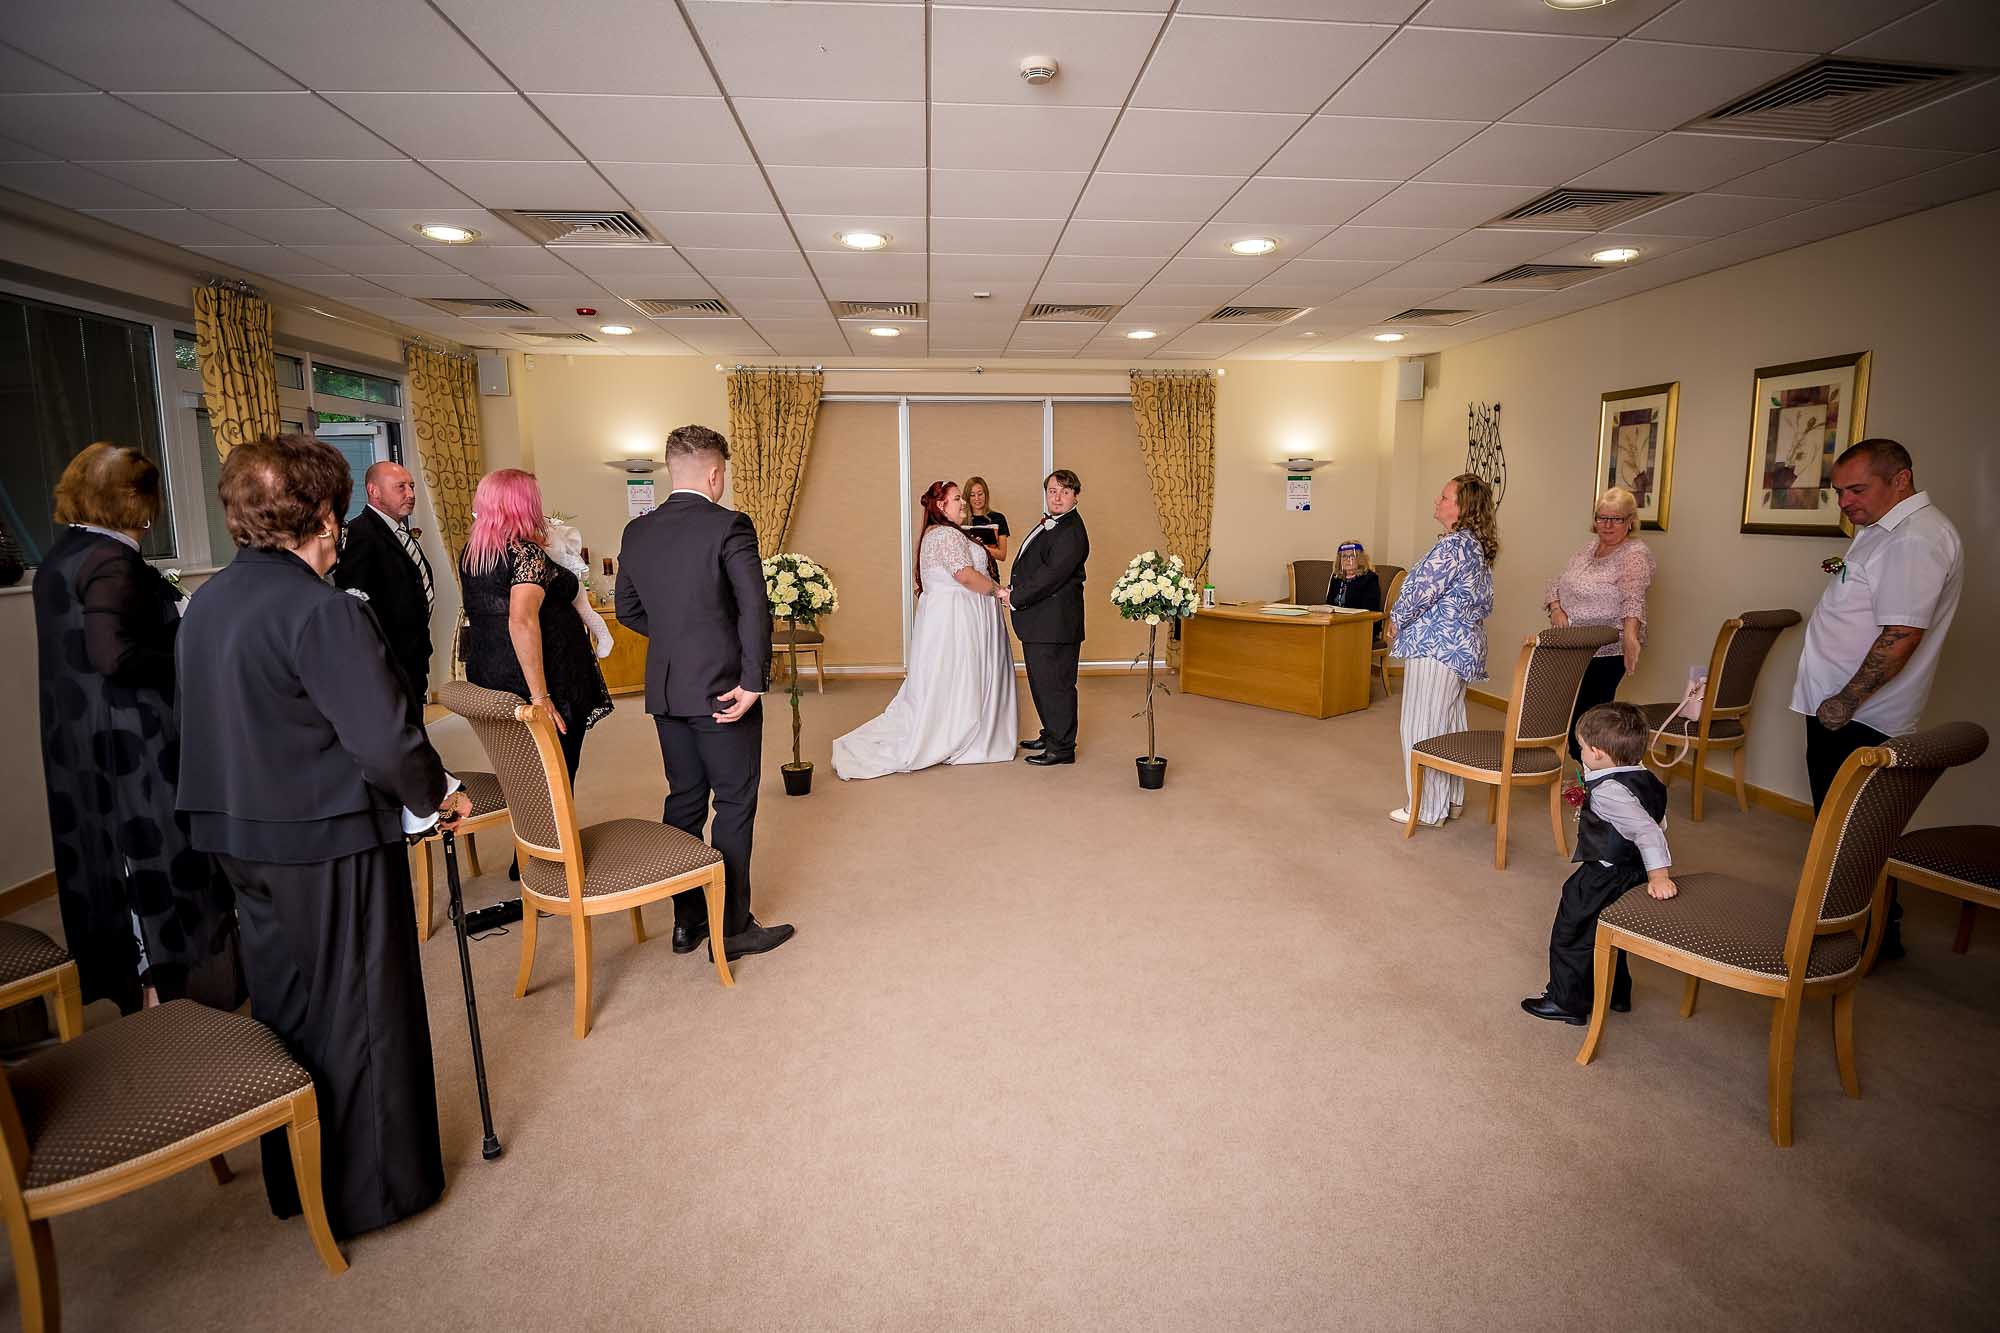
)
(975, 370)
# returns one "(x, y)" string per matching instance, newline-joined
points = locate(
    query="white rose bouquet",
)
(1158, 590)
(801, 591)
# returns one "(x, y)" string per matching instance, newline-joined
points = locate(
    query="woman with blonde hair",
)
(1605, 583)
(1437, 628)
(985, 524)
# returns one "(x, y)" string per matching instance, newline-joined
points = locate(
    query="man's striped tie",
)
(416, 554)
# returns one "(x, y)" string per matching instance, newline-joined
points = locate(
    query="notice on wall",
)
(1298, 491)
(638, 498)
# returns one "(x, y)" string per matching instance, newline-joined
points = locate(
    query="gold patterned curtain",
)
(771, 416)
(239, 368)
(1175, 415)
(444, 418)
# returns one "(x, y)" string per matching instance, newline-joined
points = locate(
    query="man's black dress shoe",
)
(688, 938)
(1036, 744)
(1048, 757)
(1621, 1004)
(753, 938)
(1541, 1006)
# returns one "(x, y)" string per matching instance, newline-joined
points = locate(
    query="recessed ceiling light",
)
(1388, 337)
(862, 240)
(615, 330)
(1309, 333)
(446, 234)
(1576, 4)
(1617, 254)
(886, 331)
(1253, 245)
(1140, 335)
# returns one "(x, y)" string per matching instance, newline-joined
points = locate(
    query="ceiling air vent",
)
(695, 307)
(1543, 277)
(1256, 314)
(1831, 98)
(538, 336)
(1048, 313)
(1567, 209)
(555, 226)
(487, 305)
(1433, 319)
(879, 309)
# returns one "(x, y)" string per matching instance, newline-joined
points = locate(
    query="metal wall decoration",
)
(1483, 455)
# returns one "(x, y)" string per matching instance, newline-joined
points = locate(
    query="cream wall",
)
(1919, 293)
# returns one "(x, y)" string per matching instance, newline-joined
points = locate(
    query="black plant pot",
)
(1152, 773)
(799, 779)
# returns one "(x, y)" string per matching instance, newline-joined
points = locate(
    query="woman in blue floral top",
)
(1438, 629)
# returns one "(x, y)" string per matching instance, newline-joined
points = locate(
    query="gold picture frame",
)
(1802, 415)
(1635, 448)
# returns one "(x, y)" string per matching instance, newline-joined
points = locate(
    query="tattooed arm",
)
(1886, 656)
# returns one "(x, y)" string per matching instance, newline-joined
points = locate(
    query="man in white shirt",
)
(1872, 644)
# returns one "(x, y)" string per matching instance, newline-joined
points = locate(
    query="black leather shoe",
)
(1892, 944)
(1048, 757)
(1036, 744)
(689, 938)
(753, 938)
(1621, 1004)
(1541, 1006)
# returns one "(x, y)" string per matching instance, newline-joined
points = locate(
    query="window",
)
(185, 357)
(67, 379)
(291, 372)
(356, 384)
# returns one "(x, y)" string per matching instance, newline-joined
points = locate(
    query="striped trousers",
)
(1433, 704)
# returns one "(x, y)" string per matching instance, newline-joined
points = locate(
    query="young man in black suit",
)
(690, 579)
(1047, 598)
(380, 556)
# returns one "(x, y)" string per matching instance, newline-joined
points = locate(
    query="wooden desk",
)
(625, 669)
(1315, 664)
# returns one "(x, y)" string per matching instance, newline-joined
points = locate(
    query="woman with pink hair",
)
(524, 634)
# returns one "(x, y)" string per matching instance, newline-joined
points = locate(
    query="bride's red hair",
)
(933, 502)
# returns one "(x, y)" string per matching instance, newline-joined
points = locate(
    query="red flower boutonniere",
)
(1574, 796)
(1833, 564)
(416, 534)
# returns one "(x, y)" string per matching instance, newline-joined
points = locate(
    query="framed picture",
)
(1801, 417)
(1635, 448)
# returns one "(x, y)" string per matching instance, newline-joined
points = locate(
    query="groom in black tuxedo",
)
(689, 578)
(1047, 597)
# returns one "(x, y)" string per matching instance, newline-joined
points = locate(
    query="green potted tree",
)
(800, 592)
(1156, 589)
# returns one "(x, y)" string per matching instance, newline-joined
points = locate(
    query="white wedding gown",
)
(957, 702)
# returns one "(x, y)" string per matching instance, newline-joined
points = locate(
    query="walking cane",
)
(490, 1149)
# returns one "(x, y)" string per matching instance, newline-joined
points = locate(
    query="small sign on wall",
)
(1298, 492)
(638, 498)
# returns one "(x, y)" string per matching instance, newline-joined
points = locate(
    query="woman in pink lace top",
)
(1605, 583)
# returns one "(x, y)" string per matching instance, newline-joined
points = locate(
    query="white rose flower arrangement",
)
(1158, 590)
(801, 591)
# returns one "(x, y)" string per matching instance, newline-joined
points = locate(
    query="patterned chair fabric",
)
(1481, 749)
(25, 952)
(620, 855)
(524, 781)
(488, 797)
(1721, 729)
(1729, 921)
(1888, 797)
(1968, 852)
(788, 634)
(1310, 579)
(143, 1084)
(1747, 651)
(1555, 673)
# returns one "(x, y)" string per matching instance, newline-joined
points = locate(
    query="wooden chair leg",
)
(1556, 820)
(819, 671)
(1784, 1047)
(1967, 914)
(580, 943)
(67, 1002)
(218, 1166)
(712, 894)
(1506, 799)
(638, 927)
(471, 844)
(528, 918)
(1739, 760)
(1604, 963)
(1416, 795)
(1700, 778)
(302, 1136)
(1492, 803)
(1689, 992)
(420, 875)
(35, 1283)
(1843, 1041)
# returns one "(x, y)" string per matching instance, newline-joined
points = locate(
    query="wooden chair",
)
(1527, 751)
(33, 966)
(784, 634)
(1819, 943)
(136, 1101)
(1961, 860)
(578, 873)
(1724, 722)
(489, 807)
(1311, 575)
(1392, 588)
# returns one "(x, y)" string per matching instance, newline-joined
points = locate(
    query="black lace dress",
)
(576, 686)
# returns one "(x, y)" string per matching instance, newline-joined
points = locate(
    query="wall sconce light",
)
(1302, 464)
(634, 465)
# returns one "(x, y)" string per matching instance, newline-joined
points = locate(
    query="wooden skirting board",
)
(15, 897)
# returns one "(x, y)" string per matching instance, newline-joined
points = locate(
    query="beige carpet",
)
(1052, 1052)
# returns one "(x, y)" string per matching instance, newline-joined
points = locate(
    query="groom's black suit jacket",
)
(1048, 583)
(373, 560)
(689, 578)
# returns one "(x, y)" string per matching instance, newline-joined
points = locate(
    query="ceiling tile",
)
(530, 184)
(1837, 169)
(1654, 85)
(818, 50)
(221, 184)
(279, 261)
(745, 290)
(1792, 25)
(821, 231)
(393, 307)
(1398, 243)
(22, 73)
(176, 225)
(1609, 20)
(290, 125)
(1018, 138)
(1531, 154)
(1144, 198)
(470, 126)
(1954, 33)
(1216, 341)
(305, 226)
(1502, 246)
(1289, 201)
(1420, 204)
(1967, 176)
(1362, 148)
(388, 257)
(432, 285)
(1714, 214)
(568, 290)
(1304, 282)
(626, 46)
(994, 236)
(740, 231)
(862, 190)
(1448, 75)
(1100, 268)
(748, 263)
(377, 45)
(1235, 64)
(1085, 293)
(605, 264)
(1688, 162)
(884, 268)
(646, 129)
(1100, 54)
(1009, 194)
(1488, 298)
(1204, 270)
(1966, 122)
(690, 187)
(873, 289)
(495, 262)
(980, 271)
(790, 132)
(93, 126)
(1141, 239)
(368, 184)
(74, 187)
(1822, 221)
(1208, 143)
(1002, 298)
(340, 286)
(120, 45)
(1428, 272)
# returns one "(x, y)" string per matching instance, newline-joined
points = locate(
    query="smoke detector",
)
(1039, 69)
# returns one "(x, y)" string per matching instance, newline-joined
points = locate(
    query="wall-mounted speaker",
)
(493, 375)
(1409, 380)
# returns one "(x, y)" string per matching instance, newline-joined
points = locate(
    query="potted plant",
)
(1156, 589)
(800, 592)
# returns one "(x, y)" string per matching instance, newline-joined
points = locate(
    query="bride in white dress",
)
(957, 702)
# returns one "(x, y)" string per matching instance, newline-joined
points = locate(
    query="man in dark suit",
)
(689, 578)
(1047, 597)
(381, 557)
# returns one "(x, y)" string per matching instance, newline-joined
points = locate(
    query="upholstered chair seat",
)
(33, 966)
